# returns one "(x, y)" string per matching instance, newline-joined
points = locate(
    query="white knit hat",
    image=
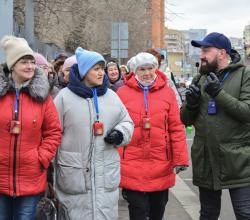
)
(143, 59)
(14, 49)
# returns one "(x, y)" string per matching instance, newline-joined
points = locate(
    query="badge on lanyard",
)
(15, 124)
(211, 107)
(146, 123)
(98, 128)
(15, 127)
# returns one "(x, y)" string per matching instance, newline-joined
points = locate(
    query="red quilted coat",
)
(25, 157)
(147, 162)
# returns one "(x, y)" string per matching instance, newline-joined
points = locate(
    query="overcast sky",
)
(226, 16)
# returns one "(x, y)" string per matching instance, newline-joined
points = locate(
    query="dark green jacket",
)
(221, 148)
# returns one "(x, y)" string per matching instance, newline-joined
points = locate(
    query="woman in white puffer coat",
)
(94, 122)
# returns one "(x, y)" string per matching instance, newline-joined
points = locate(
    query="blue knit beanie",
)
(86, 60)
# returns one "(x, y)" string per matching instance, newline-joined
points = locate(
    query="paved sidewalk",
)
(174, 210)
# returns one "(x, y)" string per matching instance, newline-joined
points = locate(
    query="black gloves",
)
(180, 168)
(212, 85)
(114, 137)
(193, 95)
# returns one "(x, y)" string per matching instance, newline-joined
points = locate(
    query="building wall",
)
(158, 18)
(175, 61)
(87, 23)
(237, 44)
(174, 41)
(246, 36)
(195, 34)
(7, 23)
(192, 54)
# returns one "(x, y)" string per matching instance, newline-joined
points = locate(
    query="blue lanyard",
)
(16, 104)
(225, 77)
(96, 103)
(145, 93)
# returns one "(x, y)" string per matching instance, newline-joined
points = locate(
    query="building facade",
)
(192, 54)
(174, 41)
(238, 44)
(69, 24)
(246, 37)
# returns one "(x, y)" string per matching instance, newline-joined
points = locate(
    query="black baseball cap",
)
(214, 39)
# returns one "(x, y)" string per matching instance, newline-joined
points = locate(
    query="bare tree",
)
(87, 23)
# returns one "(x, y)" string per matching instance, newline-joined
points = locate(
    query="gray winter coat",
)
(87, 168)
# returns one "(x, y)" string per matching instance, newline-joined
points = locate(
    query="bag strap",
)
(50, 192)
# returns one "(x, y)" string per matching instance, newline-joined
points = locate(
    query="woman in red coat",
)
(158, 145)
(30, 131)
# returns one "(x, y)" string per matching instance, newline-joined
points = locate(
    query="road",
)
(184, 199)
(226, 208)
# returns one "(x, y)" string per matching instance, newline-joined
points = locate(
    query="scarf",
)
(76, 86)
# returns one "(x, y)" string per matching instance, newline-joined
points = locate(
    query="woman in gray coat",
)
(94, 121)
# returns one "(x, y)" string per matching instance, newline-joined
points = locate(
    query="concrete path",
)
(183, 204)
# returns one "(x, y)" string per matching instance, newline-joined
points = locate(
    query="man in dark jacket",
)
(218, 105)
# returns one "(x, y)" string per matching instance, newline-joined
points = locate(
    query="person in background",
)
(164, 64)
(167, 73)
(182, 89)
(114, 74)
(158, 147)
(164, 68)
(52, 76)
(58, 65)
(61, 57)
(59, 61)
(70, 61)
(94, 122)
(124, 70)
(218, 106)
(43, 63)
(30, 131)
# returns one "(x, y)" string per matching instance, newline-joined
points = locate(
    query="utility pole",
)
(6, 21)
(29, 22)
(119, 40)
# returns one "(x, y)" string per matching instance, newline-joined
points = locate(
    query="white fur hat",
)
(143, 59)
(14, 49)
(130, 64)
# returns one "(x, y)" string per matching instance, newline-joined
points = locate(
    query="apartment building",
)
(174, 41)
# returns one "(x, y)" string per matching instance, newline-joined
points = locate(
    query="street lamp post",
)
(29, 22)
(6, 21)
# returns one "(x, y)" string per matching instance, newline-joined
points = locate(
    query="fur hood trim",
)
(37, 88)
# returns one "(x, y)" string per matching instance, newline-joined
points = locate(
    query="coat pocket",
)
(234, 161)
(70, 173)
(199, 157)
(112, 175)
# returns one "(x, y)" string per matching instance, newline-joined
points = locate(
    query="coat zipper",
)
(14, 166)
(15, 144)
(165, 123)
